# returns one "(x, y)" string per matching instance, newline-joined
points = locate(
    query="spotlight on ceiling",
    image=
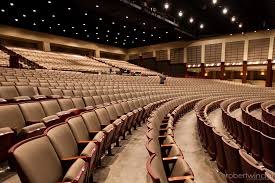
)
(191, 20)
(166, 6)
(214, 1)
(233, 19)
(224, 11)
(180, 13)
(201, 26)
(240, 25)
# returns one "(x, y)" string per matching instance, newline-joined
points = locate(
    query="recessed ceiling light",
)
(97, 6)
(85, 30)
(224, 11)
(42, 20)
(11, 4)
(88, 35)
(58, 24)
(159, 37)
(123, 43)
(233, 19)
(124, 40)
(107, 40)
(255, 31)
(98, 38)
(108, 31)
(50, 27)
(126, 17)
(100, 19)
(116, 42)
(127, 36)
(16, 19)
(179, 37)
(76, 33)
(2, 10)
(166, 32)
(34, 24)
(201, 26)
(69, 9)
(53, 16)
(49, 2)
(24, 15)
(85, 14)
(72, 27)
(64, 30)
(133, 42)
(240, 25)
(143, 32)
(180, 13)
(155, 27)
(96, 28)
(268, 29)
(84, 24)
(118, 33)
(144, 23)
(214, 1)
(34, 11)
(116, 38)
(191, 20)
(135, 29)
(113, 23)
(166, 6)
(124, 26)
(136, 38)
(230, 34)
(152, 35)
(143, 40)
(107, 35)
(96, 33)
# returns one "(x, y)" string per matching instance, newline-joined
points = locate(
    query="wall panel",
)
(213, 53)
(234, 51)
(258, 50)
(161, 55)
(176, 55)
(194, 55)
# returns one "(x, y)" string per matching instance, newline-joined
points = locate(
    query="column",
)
(185, 63)
(222, 71)
(202, 70)
(154, 54)
(244, 72)
(169, 54)
(46, 46)
(245, 54)
(202, 61)
(269, 74)
(97, 53)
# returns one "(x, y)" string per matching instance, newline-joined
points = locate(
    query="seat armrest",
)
(92, 134)
(86, 141)
(67, 162)
(32, 122)
(103, 126)
(168, 145)
(180, 178)
(165, 129)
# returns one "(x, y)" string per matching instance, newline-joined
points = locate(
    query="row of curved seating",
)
(166, 162)
(224, 147)
(82, 140)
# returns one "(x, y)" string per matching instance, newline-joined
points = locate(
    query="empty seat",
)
(268, 147)
(67, 148)
(29, 159)
(33, 113)
(179, 170)
(11, 93)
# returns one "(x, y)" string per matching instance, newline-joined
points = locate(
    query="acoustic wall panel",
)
(161, 55)
(194, 55)
(213, 53)
(147, 54)
(258, 50)
(234, 51)
(176, 55)
(133, 56)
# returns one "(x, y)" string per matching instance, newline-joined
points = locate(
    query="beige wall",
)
(46, 39)
(214, 40)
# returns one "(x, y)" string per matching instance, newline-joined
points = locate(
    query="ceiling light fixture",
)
(191, 20)
(180, 13)
(224, 11)
(166, 6)
(214, 1)
(201, 26)
(233, 19)
(240, 25)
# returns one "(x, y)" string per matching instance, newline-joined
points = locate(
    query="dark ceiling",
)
(120, 24)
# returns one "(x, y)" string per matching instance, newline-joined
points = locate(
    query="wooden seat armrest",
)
(165, 120)
(74, 158)
(67, 162)
(168, 145)
(171, 159)
(180, 178)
